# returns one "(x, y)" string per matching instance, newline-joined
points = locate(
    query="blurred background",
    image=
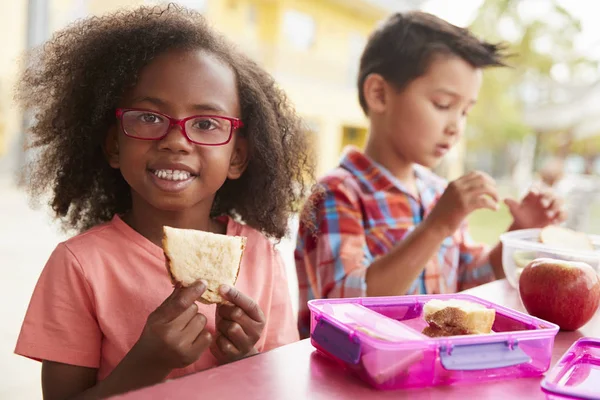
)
(538, 121)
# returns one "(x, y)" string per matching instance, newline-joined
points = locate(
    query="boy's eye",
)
(441, 106)
(150, 118)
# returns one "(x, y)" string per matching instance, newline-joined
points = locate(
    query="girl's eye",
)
(205, 124)
(150, 118)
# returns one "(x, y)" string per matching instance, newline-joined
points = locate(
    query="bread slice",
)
(565, 238)
(457, 317)
(435, 331)
(193, 255)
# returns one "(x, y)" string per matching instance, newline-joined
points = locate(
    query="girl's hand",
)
(538, 209)
(239, 326)
(174, 335)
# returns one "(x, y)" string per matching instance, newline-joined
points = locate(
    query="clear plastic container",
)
(380, 340)
(521, 247)
(577, 373)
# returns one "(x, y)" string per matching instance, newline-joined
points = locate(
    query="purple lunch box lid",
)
(577, 373)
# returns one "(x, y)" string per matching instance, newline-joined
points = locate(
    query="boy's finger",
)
(484, 201)
(480, 176)
(485, 188)
(180, 301)
(249, 306)
(560, 217)
(546, 200)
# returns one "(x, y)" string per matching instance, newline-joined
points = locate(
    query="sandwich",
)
(193, 255)
(565, 238)
(457, 317)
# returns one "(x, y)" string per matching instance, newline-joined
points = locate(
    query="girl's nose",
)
(176, 140)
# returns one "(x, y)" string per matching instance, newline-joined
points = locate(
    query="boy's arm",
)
(335, 262)
(331, 257)
(394, 273)
(478, 264)
(495, 258)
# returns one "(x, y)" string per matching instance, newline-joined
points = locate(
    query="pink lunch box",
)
(380, 340)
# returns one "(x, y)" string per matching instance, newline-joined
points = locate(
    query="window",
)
(198, 5)
(76, 9)
(299, 29)
(356, 45)
(353, 136)
(252, 15)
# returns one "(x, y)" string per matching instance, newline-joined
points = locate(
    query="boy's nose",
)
(452, 129)
(456, 126)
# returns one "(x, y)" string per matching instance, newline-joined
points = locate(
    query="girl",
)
(144, 119)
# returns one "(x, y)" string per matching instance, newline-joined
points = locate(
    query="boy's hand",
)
(539, 208)
(174, 335)
(470, 192)
(239, 326)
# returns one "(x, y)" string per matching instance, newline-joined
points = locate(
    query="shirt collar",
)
(375, 177)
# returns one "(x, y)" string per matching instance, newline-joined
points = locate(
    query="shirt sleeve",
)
(60, 324)
(331, 261)
(474, 267)
(281, 326)
(332, 253)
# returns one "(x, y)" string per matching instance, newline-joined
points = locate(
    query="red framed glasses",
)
(205, 130)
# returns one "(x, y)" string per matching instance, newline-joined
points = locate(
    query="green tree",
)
(497, 119)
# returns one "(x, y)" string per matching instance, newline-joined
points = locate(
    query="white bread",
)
(565, 238)
(457, 317)
(193, 255)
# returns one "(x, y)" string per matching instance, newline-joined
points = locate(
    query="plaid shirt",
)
(360, 214)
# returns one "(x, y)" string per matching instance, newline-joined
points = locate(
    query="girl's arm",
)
(64, 381)
(174, 337)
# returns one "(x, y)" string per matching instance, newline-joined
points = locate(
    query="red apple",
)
(566, 293)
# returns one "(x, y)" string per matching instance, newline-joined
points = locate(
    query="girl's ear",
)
(239, 158)
(111, 147)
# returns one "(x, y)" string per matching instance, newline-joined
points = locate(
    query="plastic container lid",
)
(577, 373)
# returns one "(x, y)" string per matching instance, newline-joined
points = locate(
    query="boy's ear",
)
(375, 92)
(111, 147)
(239, 158)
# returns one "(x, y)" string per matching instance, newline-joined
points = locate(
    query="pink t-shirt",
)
(96, 291)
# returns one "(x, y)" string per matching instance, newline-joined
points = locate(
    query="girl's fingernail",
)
(224, 289)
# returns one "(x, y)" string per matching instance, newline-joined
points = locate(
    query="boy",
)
(383, 223)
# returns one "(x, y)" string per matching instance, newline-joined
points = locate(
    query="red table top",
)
(296, 371)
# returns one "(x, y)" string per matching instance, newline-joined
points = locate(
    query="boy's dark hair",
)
(403, 47)
(72, 86)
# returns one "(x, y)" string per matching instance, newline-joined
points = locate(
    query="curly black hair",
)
(72, 85)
